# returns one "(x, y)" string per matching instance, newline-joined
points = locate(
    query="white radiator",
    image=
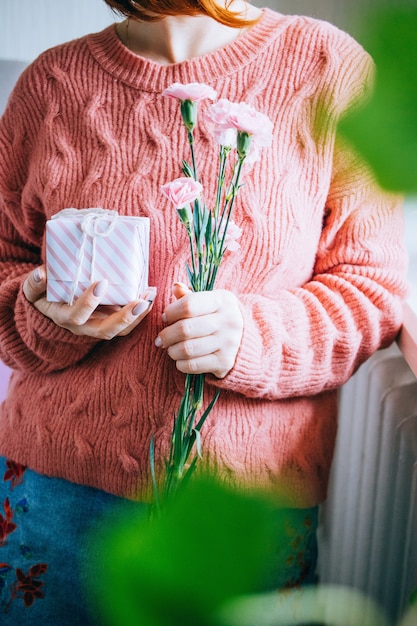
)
(368, 531)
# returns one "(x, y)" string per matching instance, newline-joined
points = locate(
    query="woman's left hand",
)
(203, 332)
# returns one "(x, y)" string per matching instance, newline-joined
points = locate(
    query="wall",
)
(4, 379)
(29, 27)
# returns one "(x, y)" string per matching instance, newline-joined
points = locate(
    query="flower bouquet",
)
(240, 131)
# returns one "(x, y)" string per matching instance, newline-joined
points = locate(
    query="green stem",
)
(206, 254)
(222, 169)
(227, 210)
(232, 201)
(191, 143)
(183, 438)
(192, 252)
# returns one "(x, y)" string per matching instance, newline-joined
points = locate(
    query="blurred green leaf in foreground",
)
(384, 131)
(210, 545)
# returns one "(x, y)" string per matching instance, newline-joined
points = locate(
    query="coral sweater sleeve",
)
(28, 340)
(312, 338)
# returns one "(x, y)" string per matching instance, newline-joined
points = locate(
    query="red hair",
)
(152, 10)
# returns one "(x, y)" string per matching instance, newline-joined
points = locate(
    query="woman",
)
(314, 290)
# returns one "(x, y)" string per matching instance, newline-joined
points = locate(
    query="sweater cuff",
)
(249, 375)
(53, 346)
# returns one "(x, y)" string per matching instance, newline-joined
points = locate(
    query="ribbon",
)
(90, 226)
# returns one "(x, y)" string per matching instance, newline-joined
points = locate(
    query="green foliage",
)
(385, 130)
(413, 598)
(210, 545)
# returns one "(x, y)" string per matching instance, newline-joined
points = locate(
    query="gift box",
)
(88, 245)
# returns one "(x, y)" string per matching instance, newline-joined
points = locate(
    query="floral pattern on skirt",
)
(44, 550)
(24, 586)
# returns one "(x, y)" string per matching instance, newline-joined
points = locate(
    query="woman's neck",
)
(178, 38)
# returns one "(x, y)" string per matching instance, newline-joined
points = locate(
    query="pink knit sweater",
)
(320, 273)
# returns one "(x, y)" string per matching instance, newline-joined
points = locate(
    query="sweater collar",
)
(148, 75)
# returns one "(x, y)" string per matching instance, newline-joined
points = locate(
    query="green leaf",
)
(384, 131)
(207, 411)
(197, 436)
(187, 169)
(188, 473)
(206, 216)
(211, 544)
(413, 597)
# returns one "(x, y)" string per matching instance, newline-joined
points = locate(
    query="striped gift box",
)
(87, 245)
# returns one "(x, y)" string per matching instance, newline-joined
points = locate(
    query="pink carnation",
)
(217, 116)
(191, 91)
(233, 233)
(225, 137)
(245, 118)
(182, 191)
(219, 113)
(228, 116)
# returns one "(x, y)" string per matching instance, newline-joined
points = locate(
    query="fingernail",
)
(158, 342)
(100, 289)
(37, 276)
(164, 318)
(151, 295)
(140, 308)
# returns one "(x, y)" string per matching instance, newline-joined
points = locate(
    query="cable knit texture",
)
(320, 273)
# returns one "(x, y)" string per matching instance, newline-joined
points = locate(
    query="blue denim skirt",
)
(46, 548)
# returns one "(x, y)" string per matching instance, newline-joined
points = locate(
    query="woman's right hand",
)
(86, 316)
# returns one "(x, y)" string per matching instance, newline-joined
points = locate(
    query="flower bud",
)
(189, 114)
(244, 141)
(186, 215)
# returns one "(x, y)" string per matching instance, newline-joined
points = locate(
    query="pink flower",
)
(219, 113)
(246, 119)
(182, 191)
(191, 91)
(233, 233)
(228, 117)
(217, 116)
(225, 136)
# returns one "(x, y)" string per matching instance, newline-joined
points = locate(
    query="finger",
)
(142, 309)
(201, 365)
(139, 312)
(100, 327)
(195, 348)
(103, 310)
(35, 284)
(188, 329)
(150, 294)
(193, 304)
(120, 323)
(77, 314)
(179, 290)
(218, 363)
